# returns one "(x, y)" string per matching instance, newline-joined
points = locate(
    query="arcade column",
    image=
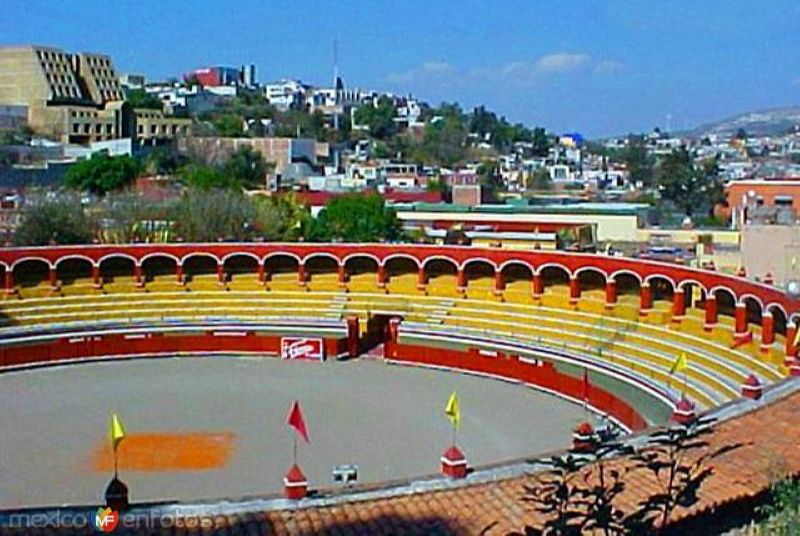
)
(678, 305)
(645, 299)
(611, 293)
(740, 320)
(499, 282)
(341, 274)
(538, 286)
(301, 275)
(461, 280)
(53, 275)
(422, 278)
(574, 290)
(791, 348)
(137, 275)
(179, 274)
(221, 274)
(97, 281)
(767, 331)
(9, 281)
(711, 312)
(381, 276)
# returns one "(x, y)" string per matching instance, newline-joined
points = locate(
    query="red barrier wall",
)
(510, 367)
(107, 345)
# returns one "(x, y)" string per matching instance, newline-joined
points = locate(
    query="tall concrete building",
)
(74, 98)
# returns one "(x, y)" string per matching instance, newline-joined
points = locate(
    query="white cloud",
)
(562, 61)
(608, 67)
(519, 73)
(424, 73)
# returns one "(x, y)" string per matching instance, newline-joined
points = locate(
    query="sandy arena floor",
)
(205, 428)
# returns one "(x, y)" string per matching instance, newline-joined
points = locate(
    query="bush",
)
(101, 173)
(59, 221)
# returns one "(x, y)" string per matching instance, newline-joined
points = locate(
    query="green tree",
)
(208, 215)
(782, 513)
(207, 177)
(638, 163)
(490, 180)
(139, 98)
(247, 168)
(378, 118)
(125, 216)
(437, 184)
(101, 173)
(229, 125)
(445, 138)
(54, 221)
(279, 218)
(162, 161)
(355, 218)
(689, 187)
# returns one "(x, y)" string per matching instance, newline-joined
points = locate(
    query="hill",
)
(757, 123)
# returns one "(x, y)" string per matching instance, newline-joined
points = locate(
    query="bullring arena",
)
(206, 422)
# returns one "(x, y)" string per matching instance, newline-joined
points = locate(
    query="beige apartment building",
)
(77, 98)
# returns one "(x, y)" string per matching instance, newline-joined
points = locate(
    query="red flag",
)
(585, 386)
(295, 420)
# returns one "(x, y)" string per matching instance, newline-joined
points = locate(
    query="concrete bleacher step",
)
(648, 345)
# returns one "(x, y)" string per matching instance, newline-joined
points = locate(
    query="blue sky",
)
(598, 67)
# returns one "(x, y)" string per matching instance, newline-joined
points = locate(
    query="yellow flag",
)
(797, 338)
(681, 363)
(116, 432)
(794, 262)
(453, 410)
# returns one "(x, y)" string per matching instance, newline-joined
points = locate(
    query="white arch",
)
(440, 258)
(553, 265)
(321, 254)
(241, 254)
(199, 254)
(478, 259)
(281, 254)
(730, 291)
(23, 259)
(758, 300)
(519, 262)
(160, 254)
(118, 255)
(401, 256)
(74, 256)
(636, 276)
(650, 278)
(779, 307)
(693, 282)
(363, 254)
(591, 269)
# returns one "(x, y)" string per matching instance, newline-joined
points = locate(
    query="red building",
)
(214, 76)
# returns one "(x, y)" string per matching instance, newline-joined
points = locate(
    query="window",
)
(783, 200)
